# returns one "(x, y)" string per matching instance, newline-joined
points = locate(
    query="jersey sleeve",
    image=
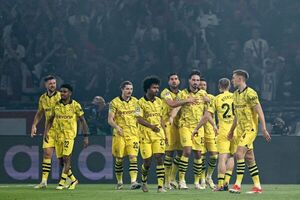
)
(40, 106)
(139, 112)
(166, 95)
(211, 106)
(112, 107)
(252, 98)
(78, 110)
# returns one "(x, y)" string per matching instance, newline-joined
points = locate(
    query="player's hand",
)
(266, 135)
(167, 141)
(155, 129)
(216, 130)
(206, 99)
(195, 132)
(171, 119)
(33, 131)
(46, 136)
(230, 135)
(119, 131)
(85, 142)
(191, 100)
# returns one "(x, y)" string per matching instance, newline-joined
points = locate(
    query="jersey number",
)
(66, 144)
(227, 107)
(135, 145)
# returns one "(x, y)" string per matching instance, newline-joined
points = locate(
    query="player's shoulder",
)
(165, 92)
(251, 91)
(226, 95)
(203, 93)
(134, 99)
(211, 96)
(115, 100)
(75, 103)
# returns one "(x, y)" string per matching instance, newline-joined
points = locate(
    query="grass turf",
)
(107, 191)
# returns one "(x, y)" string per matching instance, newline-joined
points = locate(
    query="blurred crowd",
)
(95, 44)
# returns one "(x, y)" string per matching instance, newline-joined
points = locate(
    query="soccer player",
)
(247, 110)
(152, 133)
(190, 115)
(46, 103)
(169, 96)
(122, 118)
(223, 106)
(210, 145)
(66, 113)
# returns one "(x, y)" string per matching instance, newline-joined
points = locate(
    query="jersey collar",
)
(190, 91)
(145, 97)
(124, 99)
(60, 101)
(52, 94)
(243, 90)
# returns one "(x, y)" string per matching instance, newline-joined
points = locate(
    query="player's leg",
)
(197, 168)
(211, 145)
(48, 148)
(253, 169)
(132, 149)
(229, 170)
(240, 169)
(146, 153)
(203, 174)
(118, 151)
(187, 143)
(168, 168)
(160, 171)
(221, 170)
(175, 167)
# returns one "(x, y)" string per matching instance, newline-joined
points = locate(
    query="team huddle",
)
(170, 127)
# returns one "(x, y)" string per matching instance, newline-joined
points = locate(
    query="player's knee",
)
(159, 159)
(48, 153)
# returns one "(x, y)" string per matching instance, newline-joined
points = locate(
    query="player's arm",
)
(233, 126)
(163, 125)
(173, 114)
(37, 118)
(145, 123)
(176, 103)
(48, 127)
(85, 130)
(207, 117)
(112, 123)
(260, 113)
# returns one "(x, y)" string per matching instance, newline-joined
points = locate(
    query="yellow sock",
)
(253, 169)
(160, 173)
(174, 169)
(240, 169)
(203, 168)
(62, 179)
(119, 170)
(228, 175)
(71, 176)
(144, 174)
(197, 168)
(168, 168)
(133, 169)
(221, 180)
(212, 165)
(46, 167)
(184, 162)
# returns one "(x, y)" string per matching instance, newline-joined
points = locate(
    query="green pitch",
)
(107, 192)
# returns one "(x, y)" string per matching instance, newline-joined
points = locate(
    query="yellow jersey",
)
(224, 108)
(165, 95)
(47, 103)
(244, 102)
(66, 117)
(191, 113)
(124, 111)
(208, 129)
(151, 111)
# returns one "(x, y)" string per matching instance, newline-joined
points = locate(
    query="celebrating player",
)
(247, 110)
(125, 142)
(46, 103)
(66, 113)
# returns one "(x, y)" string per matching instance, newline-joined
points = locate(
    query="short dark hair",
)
(224, 83)
(173, 74)
(241, 72)
(203, 79)
(194, 72)
(150, 80)
(49, 77)
(68, 86)
(124, 83)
